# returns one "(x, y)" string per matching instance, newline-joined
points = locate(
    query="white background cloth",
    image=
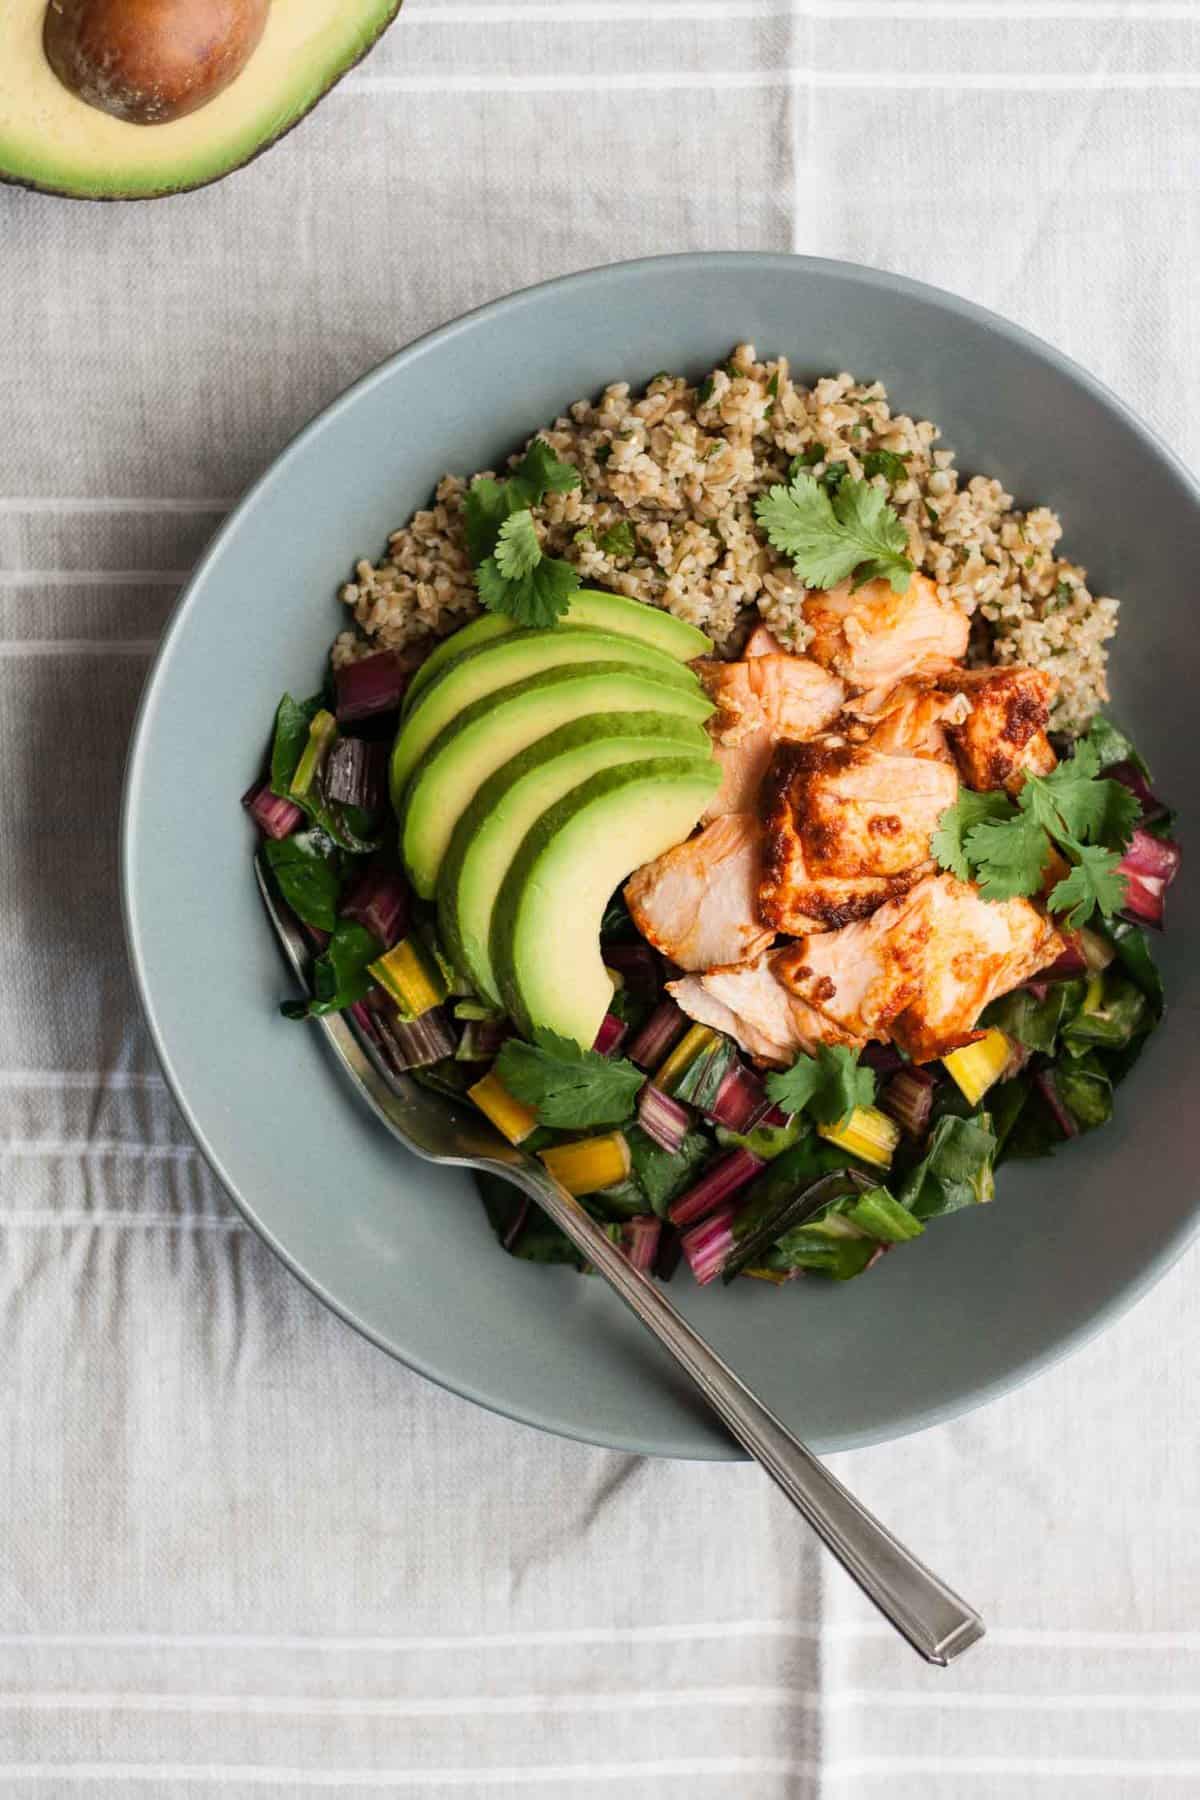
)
(241, 1552)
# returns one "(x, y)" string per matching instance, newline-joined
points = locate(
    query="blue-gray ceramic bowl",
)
(403, 1252)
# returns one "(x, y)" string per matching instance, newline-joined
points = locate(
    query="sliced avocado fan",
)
(491, 830)
(545, 936)
(508, 659)
(485, 735)
(589, 606)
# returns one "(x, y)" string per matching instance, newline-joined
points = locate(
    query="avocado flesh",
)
(483, 737)
(589, 606)
(545, 940)
(51, 139)
(491, 830)
(513, 658)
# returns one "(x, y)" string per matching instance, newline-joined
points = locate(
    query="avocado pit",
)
(150, 61)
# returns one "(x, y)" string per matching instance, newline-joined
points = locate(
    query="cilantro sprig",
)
(1007, 847)
(512, 571)
(851, 531)
(566, 1086)
(829, 1085)
(949, 841)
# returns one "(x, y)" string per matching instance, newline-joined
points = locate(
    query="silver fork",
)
(921, 1607)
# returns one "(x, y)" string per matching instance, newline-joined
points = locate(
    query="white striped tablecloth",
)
(240, 1551)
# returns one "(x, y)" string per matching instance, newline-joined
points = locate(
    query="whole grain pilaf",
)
(682, 466)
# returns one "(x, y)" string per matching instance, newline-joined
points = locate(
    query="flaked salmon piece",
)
(692, 997)
(1003, 737)
(846, 829)
(921, 970)
(763, 642)
(751, 1005)
(698, 903)
(909, 719)
(874, 637)
(760, 700)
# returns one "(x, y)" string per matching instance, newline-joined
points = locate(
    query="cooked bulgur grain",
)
(683, 466)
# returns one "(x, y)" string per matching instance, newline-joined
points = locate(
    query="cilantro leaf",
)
(618, 540)
(830, 1085)
(534, 600)
(541, 472)
(566, 1086)
(518, 550)
(485, 509)
(1071, 802)
(969, 810)
(828, 538)
(489, 503)
(1007, 848)
(1009, 855)
(1093, 882)
(887, 463)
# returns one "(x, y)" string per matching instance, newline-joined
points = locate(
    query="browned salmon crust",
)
(1003, 737)
(921, 970)
(846, 828)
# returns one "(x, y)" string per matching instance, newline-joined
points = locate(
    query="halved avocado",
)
(545, 942)
(50, 139)
(589, 606)
(483, 737)
(513, 658)
(490, 831)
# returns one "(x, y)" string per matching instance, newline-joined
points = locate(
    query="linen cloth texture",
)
(242, 1552)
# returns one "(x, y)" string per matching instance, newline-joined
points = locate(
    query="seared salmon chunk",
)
(921, 970)
(1003, 737)
(846, 829)
(698, 903)
(910, 719)
(766, 697)
(873, 637)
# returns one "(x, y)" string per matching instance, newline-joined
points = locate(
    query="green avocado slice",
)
(589, 606)
(512, 658)
(545, 941)
(492, 828)
(483, 737)
(51, 139)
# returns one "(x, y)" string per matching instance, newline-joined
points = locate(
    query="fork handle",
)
(935, 1621)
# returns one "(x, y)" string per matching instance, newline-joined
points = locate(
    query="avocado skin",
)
(192, 187)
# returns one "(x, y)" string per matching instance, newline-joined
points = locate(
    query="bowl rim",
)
(683, 262)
